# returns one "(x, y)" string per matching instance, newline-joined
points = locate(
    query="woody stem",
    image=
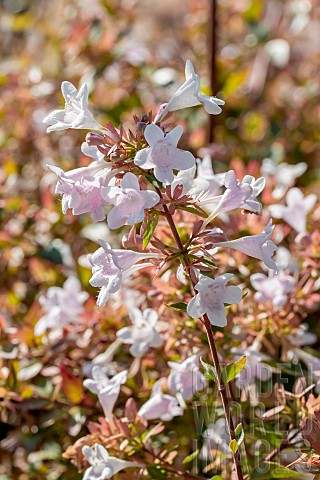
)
(211, 340)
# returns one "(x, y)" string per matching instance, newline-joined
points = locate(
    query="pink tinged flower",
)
(62, 306)
(129, 201)
(252, 205)
(193, 186)
(213, 294)
(205, 171)
(92, 152)
(163, 156)
(75, 114)
(236, 195)
(102, 465)
(107, 389)
(145, 332)
(273, 289)
(189, 95)
(296, 211)
(160, 405)
(257, 246)
(81, 189)
(186, 378)
(110, 267)
(284, 175)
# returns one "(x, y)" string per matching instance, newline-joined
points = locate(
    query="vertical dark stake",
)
(213, 67)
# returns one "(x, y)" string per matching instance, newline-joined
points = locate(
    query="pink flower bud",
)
(94, 139)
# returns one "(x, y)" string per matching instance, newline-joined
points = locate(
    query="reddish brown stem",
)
(205, 320)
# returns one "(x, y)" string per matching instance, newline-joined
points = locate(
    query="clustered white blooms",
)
(102, 465)
(163, 156)
(118, 192)
(144, 333)
(62, 306)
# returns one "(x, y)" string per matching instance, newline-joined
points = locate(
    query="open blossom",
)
(236, 195)
(93, 152)
(186, 378)
(257, 186)
(163, 156)
(192, 185)
(107, 389)
(257, 246)
(273, 289)
(160, 405)
(283, 174)
(75, 114)
(205, 171)
(102, 465)
(81, 189)
(296, 211)
(144, 333)
(129, 201)
(110, 267)
(62, 306)
(189, 95)
(211, 297)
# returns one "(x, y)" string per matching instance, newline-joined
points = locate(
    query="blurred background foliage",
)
(132, 55)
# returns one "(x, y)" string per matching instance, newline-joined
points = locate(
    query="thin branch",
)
(205, 320)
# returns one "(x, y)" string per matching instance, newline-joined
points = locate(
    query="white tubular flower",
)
(283, 175)
(236, 195)
(160, 405)
(194, 187)
(257, 186)
(274, 289)
(62, 306)
(145, 332)
(129, 201)
(189, 95)
(110, 267)
(75, 114)
(107, 389)
(186, 378)
(163, 156)
(296, 211)
(213, 294)
(257, 246)
(102, 465)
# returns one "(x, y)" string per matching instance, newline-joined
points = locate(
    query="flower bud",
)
(215, 235)
(94, 139)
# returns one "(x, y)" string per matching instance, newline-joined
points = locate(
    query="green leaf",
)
(150, 228)
(233, 445)
(274, 470)
(153, 181)
(208, 262)
(232, 370)
(190, 457)
(191, 210)
(239, 434)
(180, 306)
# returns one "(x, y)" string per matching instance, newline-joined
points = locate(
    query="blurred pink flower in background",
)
(272, 288)
(296, 211)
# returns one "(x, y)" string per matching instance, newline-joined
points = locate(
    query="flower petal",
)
(153, 134)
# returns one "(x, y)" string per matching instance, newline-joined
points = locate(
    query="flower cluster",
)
(141, 179)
